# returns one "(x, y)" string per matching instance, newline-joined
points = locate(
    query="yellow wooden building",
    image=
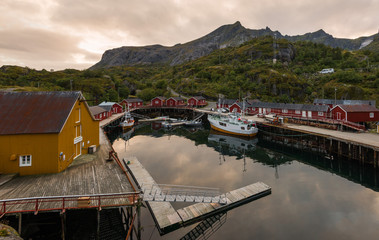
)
(43, 132)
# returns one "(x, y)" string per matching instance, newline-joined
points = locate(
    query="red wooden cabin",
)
(197, 101)
(355, 113)
(99, 113)
(158, 102)
(132, 103)
(175, 102)
(115, 107)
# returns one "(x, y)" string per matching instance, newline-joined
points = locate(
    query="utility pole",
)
(70, 84)
(335, 96)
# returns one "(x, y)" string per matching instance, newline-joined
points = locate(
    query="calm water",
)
(312, 197)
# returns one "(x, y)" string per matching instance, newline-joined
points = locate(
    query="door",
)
(260, 110)
(339, 116)
(78, 149)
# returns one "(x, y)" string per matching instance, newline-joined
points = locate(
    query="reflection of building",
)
(43, 132)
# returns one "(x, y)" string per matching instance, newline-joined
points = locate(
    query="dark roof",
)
(291, 106)
(109, 104)
(359, 108)
(344, 102)
(133, 100)
(228, 101)
(35, 112)
(161, 98)
(315, 108)
(199, 97)
(96, 110)
(107, 108)
(177, 98)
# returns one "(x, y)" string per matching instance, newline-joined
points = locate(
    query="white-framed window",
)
(156, 102)
(284, 110)
(321, 114)
(372, 115)
(25, 160)
(297, 112)
(77, 115)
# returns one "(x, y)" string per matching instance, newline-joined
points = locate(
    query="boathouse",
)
(227, 103)
(43, 132)
(99, 113)
(132, 103)
(175, 102)
(238, 106)
(158, 102)
(355, 113)
(197, 101)
(113, 106)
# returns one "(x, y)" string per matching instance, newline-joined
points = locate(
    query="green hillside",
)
(246, 70)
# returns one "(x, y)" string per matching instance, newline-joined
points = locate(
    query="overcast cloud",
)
(59, 34)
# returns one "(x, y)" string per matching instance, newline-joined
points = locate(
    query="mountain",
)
(225, 36)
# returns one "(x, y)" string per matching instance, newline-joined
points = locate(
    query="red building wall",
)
(171, 102)
(116, 108)
(157, 102)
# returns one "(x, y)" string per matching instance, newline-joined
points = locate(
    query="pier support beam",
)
(19, 223)
(63, 225)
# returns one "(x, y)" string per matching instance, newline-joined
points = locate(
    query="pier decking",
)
(88, 175)
(168, 219)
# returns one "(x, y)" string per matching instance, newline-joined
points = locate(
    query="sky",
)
(60, 34)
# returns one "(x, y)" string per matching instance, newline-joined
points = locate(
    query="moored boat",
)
(128, 121)
(233, 124)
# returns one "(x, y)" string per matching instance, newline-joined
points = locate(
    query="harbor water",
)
(312, 197)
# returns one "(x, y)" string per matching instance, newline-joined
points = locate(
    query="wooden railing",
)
(63, 203)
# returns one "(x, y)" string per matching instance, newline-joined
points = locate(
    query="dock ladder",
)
(180, 193)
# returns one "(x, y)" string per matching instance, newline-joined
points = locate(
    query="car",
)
(327, 70)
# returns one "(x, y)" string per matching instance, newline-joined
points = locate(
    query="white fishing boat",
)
(128, 121)
(233, 123)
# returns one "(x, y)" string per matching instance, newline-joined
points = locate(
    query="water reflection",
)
(314, 198)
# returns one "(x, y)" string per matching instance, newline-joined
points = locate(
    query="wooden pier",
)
(90, 176)
(168, 219)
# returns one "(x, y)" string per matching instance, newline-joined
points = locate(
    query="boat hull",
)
(234, 133)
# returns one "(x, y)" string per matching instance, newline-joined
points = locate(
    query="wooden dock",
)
(168, 219)
(89, 174)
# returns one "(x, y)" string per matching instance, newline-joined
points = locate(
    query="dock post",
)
(19, 223)
(139, 220)
(98, 225)
(63, 224)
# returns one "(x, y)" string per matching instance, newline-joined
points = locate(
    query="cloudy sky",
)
(59, 34)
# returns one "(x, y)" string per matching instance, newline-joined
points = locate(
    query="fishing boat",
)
(128, 121)
(233, 123)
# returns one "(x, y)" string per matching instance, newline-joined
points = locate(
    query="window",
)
(320, 113)
(372, 115)
(77, 115)
(284, 110)
(156, 102)
(222, 124)
(297, 112)
(242, 128)
(25, 160)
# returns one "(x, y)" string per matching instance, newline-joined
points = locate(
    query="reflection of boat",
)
(193, 123)
(127, 134)
(235, 144)
(128, 121)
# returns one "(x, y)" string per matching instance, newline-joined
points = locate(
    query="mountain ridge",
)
(224, 36)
